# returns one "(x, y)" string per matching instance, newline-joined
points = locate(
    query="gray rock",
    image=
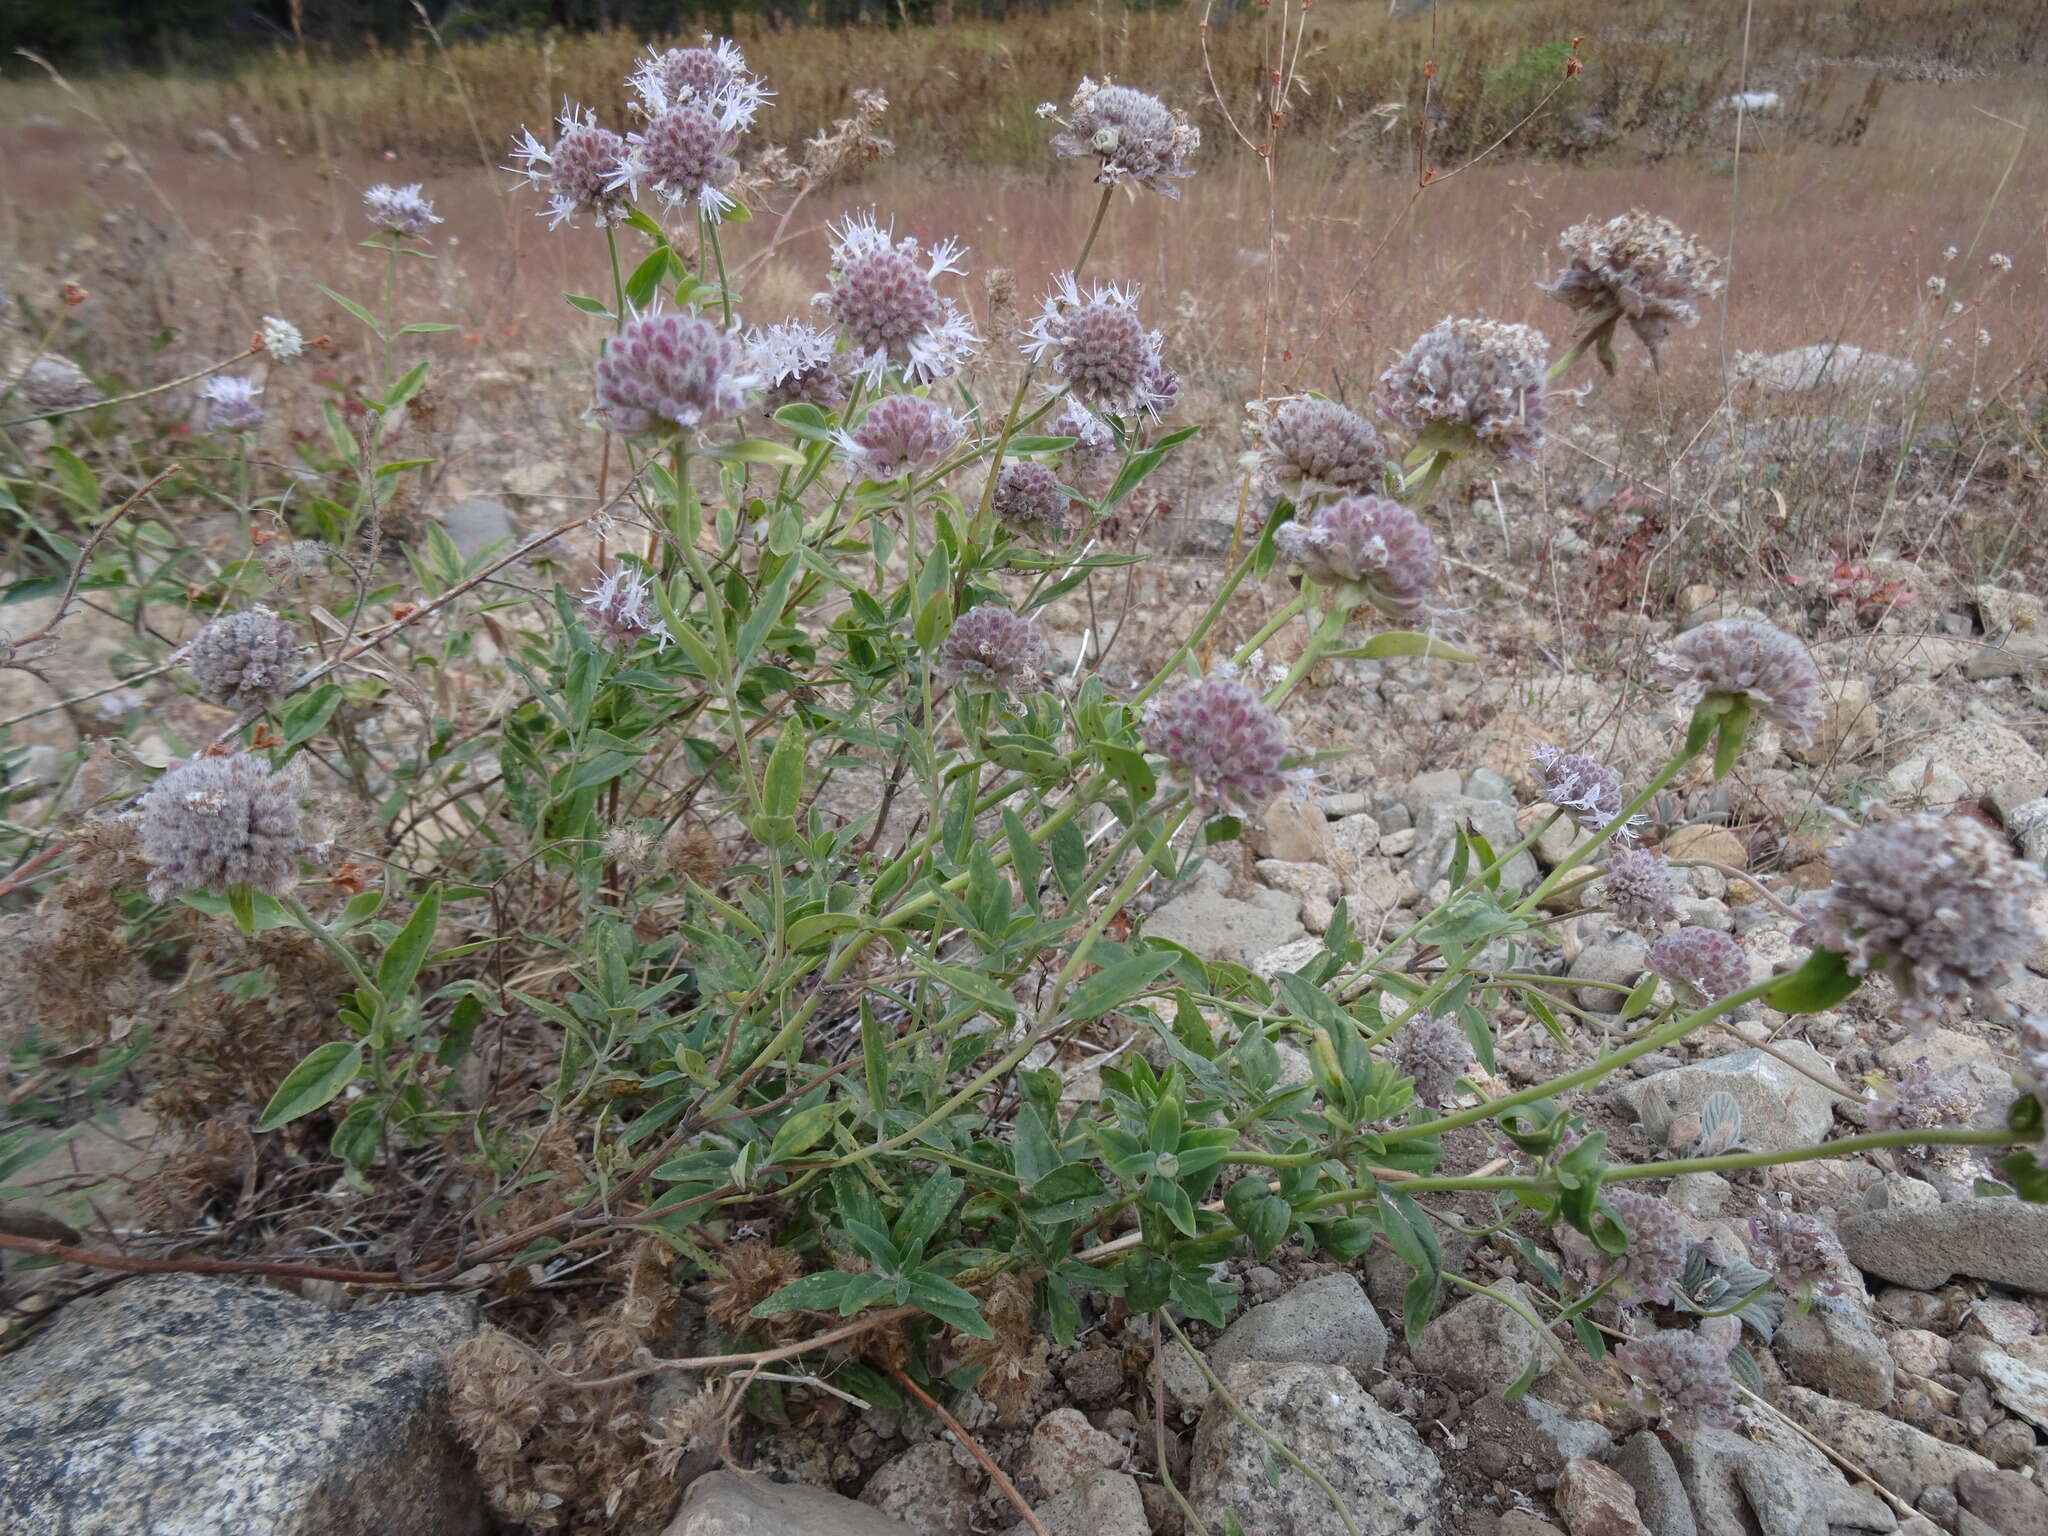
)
(1906, 1460)
(2001, 1240)
(1661, 1498)
(2005, 1501)
(1066, 1449)
(1618, 962)
(1387, 1478)
(1734, 1482)
(2028, 824)
(1573, 1438)
(2024, 654)
(183, 1403)
(1832, 1349)
(2022, 1387)
(1104, 1504)
(1436, 826)
(727, 1504)
(1319, 1322)
(1827, 364)
(474, 526)
(1427, 789)
(925, 1489)
(1781, 1109)
(1485, 784)
(1480, 1345)
(1207, 919)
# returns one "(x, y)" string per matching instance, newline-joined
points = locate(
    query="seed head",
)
(1093, 339)
(53, 383)
(400, 210)
(666, 372)
(1220, 738)
(1682, 1375)
(1434, 1051)
(1936, 903)
(587, 170)
(714, 76)
(621, 609)
(902, 434)
(219, 822)
(1750, 661)
(1708, 964)
(1316, 445)
(797, 362)
(281, 339)
(685, 155)
(1028, 497)
(1655, 1256)
(994, 648)
(1586, 787)
(1483, 377)
(240, 659)
(1640, 267)
(231, 404)
(1133, 136)
(883, 297)
(1803, 1253)
(1638, 889)
(1368, 544)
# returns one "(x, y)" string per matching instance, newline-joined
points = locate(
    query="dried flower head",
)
(1924, 1100)
(621, 609)
(797, 362)
(902, 434)
(1433, 1050)
(52, 383)
(588, 169)
(1802, 1253)
(1638, 889)
(1743, 659)
(1087, 462)
(1708, 964)
(1311, 445)
(1682, 1375)
(1222, 740)
(1028, 497)
(754, 1270)
(1370, 548)
(994, 648)
(1936, 903)
(1636, 267)
(714, 76)
(240, 659)
(219, 822)
(1013, 1359)
(1655, 1257)
(281, 339)
(1134, 137)
(1476, 381)
(685, 155)
(883, 296)
(665, 372)
(1583, 785)
(231, 404)
(2030, 1041)
(1092, 338)
(400, 210)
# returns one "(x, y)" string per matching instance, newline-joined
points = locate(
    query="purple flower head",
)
(1370, 547)
(684, 155)
(669, 372)
(1222, 741)
(1028, 497)
(231, 404)
(1655, 1256)
(1133, 136)
(1092, 338)
(1743, 659)
(1637, 267)
(713, 76)
(1094, 450)
(588, 169)
(1478, 377)
(2031, 1041)
(1313, 445)
(797, 362)
(1925, 1100)
(240, 659)
(1938, 904)
(620, 609)
(1638, 888)
(882, 295)
(54, 383)
(1583, 785)
(400, 210)
(216, 823)
(1707, 964)
(1682, 1376)
(1434, 1051)
(902, 434)
(1802, 1253)
(994, 648)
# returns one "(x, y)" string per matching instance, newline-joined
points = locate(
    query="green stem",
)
(1613, 829)
(1272, 627)
(2000, 1137)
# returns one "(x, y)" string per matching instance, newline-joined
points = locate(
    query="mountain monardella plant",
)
(1028, 497)
(1470, 383)
(902, 434)
(1747, 661)
(1639, 268)
(587, 169)
(666, 372)
(400, 211)
(1134, 137)
(1221, 740)
(1582, 785)
(220, 823)
(1637, 887)
(1309, 445)
(1682, 1375)
(992, 647)
(240, 659)
(1368, 549)
(1094, 342)
(1700, 961)
(882, 295)
(1433, 1050)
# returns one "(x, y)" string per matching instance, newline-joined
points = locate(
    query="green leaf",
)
(755, 450)
(782, 784)
(802, 1131)
(590, 306)
(1116, 984)
(646, 278)
(424, 328)
(1639, 996)
(1817, 985)
(355, 309)
(928, 1209)
(1390, 643)
(820, 928)
(949, 1304)
(830, 1290)
(1036, 1152)
(874, 1050)
(306, 716)
(402, 961)
(355, 1139)
(767, 612)
(312, 1084)
(462, 1022)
